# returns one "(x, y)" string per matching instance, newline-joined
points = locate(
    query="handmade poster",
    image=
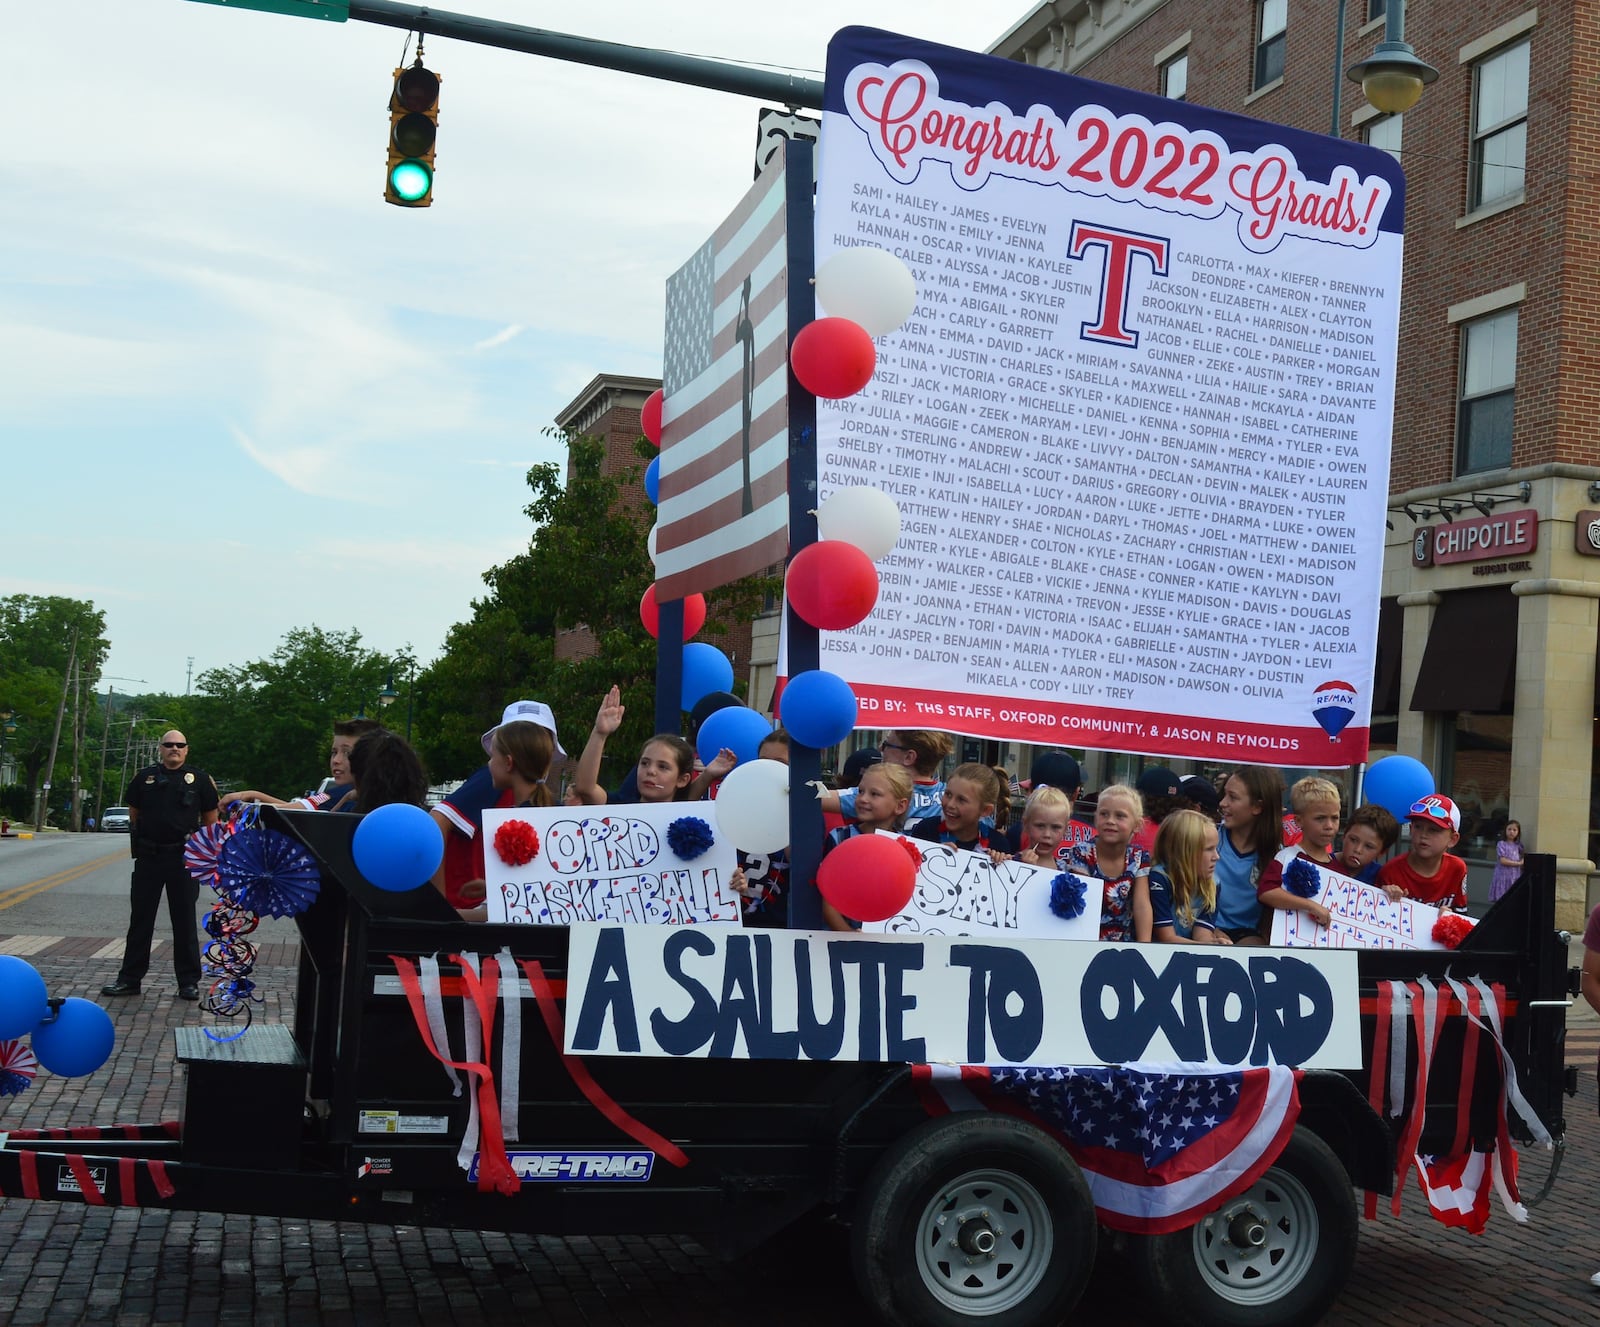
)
(1363, 918)
(720, 993)
(964, 893)
(664, 864)
(1149, 380)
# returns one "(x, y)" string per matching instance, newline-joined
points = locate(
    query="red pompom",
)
(694, 613)
(1452, 928)
(833, 358)
(913, 851)
(869, 878)
(516, 843)
(650, 417)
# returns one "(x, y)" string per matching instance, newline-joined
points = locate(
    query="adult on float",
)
(920, 750)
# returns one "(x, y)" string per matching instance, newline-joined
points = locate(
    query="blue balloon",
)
(1395, 782)
(77, 1041)
(398, 847)
(705, 669)
(736, 727)
(652, 480)
(23, 998)
(819, 709)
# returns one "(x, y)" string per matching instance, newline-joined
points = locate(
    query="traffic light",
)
(413, 126)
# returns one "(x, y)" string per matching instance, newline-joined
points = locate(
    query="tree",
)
(267, 724)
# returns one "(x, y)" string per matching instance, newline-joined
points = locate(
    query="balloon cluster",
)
(69, 1037)
(1395, 783)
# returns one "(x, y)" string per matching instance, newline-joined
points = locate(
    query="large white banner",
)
(722, 993)
(1138, 425)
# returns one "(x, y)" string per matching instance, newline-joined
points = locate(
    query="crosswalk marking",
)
(19, 945)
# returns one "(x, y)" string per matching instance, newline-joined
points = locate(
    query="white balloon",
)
(650, 543)
(861, 515)
(752, 806)
(869, 286)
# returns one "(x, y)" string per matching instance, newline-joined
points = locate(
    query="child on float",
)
(1183, 886)
(1428, 872)
(919, 750)
(1315, 802)
(966, 816)
(1372, 831)
(1044, 825)
(1251, 837)
(1123, 869)
(762, 878)
(1058, 771)
(665, 771)
(883, 796)
(519, 762)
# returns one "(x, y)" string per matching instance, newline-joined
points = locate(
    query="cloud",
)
(499, 338)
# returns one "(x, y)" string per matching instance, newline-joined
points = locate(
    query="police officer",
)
(166, 803)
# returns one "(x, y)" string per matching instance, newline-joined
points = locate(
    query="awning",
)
(1470, 660)
(1386, 679)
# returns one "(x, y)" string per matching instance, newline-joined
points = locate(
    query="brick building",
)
(607, 409)
(1486, 660)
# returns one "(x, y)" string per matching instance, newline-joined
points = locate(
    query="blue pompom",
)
(1300, 878)
(1067, 896)
(689, 837)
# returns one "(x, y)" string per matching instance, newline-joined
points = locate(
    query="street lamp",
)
(1393, 77)
(389, 695)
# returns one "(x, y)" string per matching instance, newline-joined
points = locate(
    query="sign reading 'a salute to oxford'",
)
(1138, 425)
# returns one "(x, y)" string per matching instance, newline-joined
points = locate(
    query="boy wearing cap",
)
(1162, 793)
(1428, 873)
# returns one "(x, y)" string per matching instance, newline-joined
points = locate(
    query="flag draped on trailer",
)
(725, 406)
(1159, 1148)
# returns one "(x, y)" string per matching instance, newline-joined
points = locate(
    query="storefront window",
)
(1478, 776)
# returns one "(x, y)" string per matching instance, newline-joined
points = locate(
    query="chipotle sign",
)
(1473, 541)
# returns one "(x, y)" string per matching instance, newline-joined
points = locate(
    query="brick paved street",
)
(64, 1264)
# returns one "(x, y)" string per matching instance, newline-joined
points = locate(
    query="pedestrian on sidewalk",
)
(1508, 860)
(167, 802)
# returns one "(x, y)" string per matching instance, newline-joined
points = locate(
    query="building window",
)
(1488, 393)
(1499, 126)
(1273, 18)
(1175, 77)
(1377, 9)
(1385, 134)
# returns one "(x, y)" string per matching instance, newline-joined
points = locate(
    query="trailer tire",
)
(974, 1217)
(1277, 1254)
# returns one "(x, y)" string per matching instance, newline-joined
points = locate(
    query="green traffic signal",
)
(413, 127)
(410, 181)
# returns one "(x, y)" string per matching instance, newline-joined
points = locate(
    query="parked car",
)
(116, 819)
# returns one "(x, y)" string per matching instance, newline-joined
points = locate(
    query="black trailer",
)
(960, 1218)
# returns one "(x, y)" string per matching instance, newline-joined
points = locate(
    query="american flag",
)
(1160, 1148)
(725, 410)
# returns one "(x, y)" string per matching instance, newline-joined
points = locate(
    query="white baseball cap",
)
(527, 711)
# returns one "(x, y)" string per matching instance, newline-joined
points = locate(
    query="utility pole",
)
(76, 819)
(43, 795)
(188, 676)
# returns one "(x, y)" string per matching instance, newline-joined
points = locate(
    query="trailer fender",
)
(1332, 1107)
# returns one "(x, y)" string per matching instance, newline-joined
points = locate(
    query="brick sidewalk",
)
(63, 1264)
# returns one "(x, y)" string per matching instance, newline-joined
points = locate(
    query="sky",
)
(242, 394)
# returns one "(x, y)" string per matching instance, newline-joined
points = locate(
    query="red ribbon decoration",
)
(598, 1097)
(494, 1167)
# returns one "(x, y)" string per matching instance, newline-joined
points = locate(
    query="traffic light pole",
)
(717, 75)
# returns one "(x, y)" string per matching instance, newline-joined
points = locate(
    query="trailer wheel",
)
(974, 1217)
(1276, 1254)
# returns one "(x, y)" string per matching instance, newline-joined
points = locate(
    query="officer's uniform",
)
(170, 805)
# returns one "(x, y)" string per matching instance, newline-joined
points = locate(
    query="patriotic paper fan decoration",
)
(17, 1068)
(202, 848)
(264, 871)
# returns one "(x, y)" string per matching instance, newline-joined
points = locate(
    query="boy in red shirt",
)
(1428, 873)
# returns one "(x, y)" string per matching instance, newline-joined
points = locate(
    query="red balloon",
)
(694, 613)
(650, 419)
(869, 878)
(832, 585)
(833, 357)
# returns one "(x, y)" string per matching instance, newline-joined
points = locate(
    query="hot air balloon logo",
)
(1333, 705)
